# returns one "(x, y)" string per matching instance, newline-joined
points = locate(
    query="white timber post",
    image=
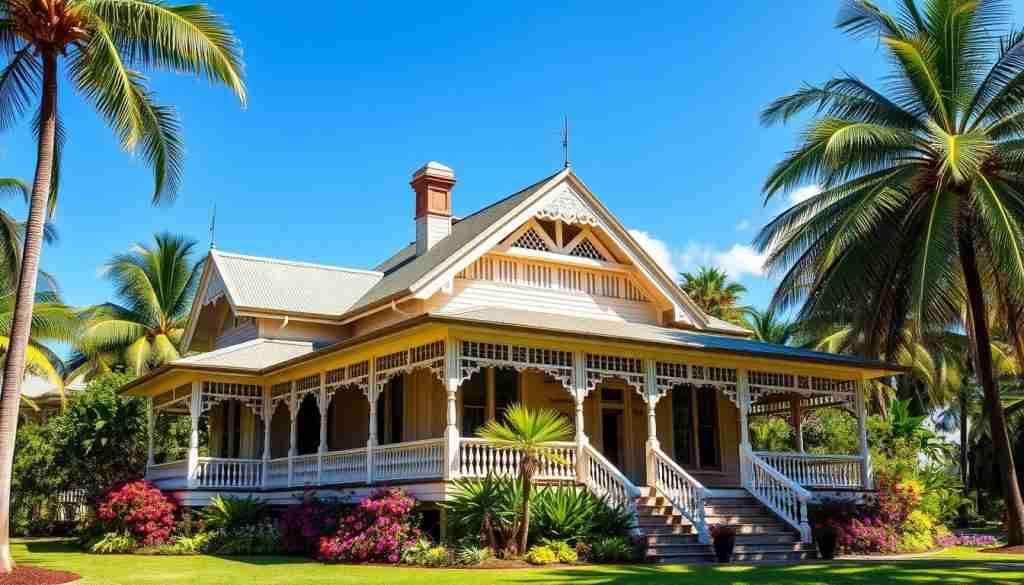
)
(451, 430)
(194, 406)
(150, 430)
(579, 393)
(293, 413)
(651, 400)
(862, 435)
(322, 450)
(372, 393)
(743, 401)
(267, 416)
(797, 412)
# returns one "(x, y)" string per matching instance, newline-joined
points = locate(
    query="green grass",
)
(946, 568)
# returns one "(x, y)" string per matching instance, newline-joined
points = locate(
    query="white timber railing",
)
(685, 493)
(819, 471)
(777, 492)
(413, 460)
(213, 472)
(173, 474)
(277, 473)
(344, 466)
(305, 470)
(605, 480)
(478, 458)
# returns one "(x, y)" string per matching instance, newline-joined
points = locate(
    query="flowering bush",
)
(971, 540)
(303, 525)
(379, 528)
(140, 509)
(252, 539)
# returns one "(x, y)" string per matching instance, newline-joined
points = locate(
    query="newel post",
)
(651, 398)
(451, 429)
(194, 411)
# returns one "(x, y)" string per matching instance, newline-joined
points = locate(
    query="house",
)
(343, 379)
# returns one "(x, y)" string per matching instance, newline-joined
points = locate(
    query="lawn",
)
(953, 566)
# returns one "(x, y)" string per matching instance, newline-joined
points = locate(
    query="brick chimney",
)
(433, 184)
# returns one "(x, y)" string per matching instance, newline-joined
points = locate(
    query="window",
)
(506, 390)
(682, 424)
(474, 404)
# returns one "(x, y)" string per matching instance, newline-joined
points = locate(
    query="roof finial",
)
(565, 142)
(213, 227)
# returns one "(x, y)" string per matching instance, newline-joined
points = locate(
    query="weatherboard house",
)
(341, 380)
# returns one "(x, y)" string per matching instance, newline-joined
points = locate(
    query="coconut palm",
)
(713, 292)
(99, 47)
(529, 432)
(155, 285)
(922, 189)
(766, 326)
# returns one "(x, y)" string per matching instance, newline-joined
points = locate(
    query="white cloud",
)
(658, 250)
(740, 260)
(743, 225)
(804, 193)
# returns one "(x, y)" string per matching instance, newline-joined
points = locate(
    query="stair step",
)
(738, 557)
(644, 521)
(670, 530)
(696, 547)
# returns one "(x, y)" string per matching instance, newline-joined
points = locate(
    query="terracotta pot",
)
(723, 548)
(826, 540)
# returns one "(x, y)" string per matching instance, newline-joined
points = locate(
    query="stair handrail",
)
(628, 491)
(683, 491)
(780, 494)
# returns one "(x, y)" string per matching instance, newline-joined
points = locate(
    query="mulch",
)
(29, 575)
(1006, 550)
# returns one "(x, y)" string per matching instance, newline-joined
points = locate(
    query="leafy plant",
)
(562, 513)
(614, 549)
(487, 508)
(138, 509)
(565, 551)
(247, 540)
(472, 555)
(227, 514)
(303, 525)
(540, 554)
(378, 530)
(113, 543)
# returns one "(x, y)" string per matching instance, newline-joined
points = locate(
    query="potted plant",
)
(826, 535)
(724, 539)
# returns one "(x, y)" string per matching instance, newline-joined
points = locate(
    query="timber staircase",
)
(669, 537)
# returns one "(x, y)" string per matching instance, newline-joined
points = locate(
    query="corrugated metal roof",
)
(284, 286)
(648, 333)
(251, 355)
(404, 275)
(723, 325)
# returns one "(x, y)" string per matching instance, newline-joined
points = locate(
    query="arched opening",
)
(307, 426)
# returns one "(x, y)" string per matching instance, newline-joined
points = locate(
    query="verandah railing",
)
(818, 471)
(780, 494)
(478, 458)
(685, 493)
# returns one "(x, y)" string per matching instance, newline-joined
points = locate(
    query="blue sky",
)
(346, 100)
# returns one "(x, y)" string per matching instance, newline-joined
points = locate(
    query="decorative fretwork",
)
(474, 355)
(668, 375)
(601, 367)
(429, 355)
(530, 240)
(173, 397)
(586, 249)
(763, 383)
(807, 404)
(212, 393)
(355, 375)
(572, 279)
(567, 206)
(280, 392)
(308, 385)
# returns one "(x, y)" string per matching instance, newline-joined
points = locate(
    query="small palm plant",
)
(530, 432)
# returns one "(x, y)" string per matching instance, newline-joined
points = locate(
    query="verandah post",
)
(743, 402)
(579, 393)
(862, 435)
(293, 435)
(323, 405)
(451, 429)
(371, 396)
(194, 405)
(150, 430)
(267, 415)
(797, 413)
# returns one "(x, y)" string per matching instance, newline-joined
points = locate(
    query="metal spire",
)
(213, 227)
(565, 142)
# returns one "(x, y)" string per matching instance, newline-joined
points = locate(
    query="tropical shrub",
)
(113, 543)
(614, 549)
(303, 525)
(231, 513)
(541, 554)
(486, 508)
(565, 552)
(247, 540)
(917, 532)
(377, 530)
(472, 554)
(137, 508)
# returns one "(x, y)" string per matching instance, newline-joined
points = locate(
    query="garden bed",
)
(29, 575)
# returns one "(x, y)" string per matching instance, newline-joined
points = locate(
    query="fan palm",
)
(99, 46)
(156, 285)
(922, 190)
(713, 292)
(528, 432)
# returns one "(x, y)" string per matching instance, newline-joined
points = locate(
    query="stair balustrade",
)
(685, 493)
(780, 494)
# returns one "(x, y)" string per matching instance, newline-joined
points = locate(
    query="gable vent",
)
(531, 241)
(585, 249)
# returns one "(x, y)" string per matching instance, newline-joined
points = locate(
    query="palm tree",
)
(156, 285)
(529, 433)
(713, 292)
(100, 45)
(921, 190)
(766, 326)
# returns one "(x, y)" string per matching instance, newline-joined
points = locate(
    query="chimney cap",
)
(435, 169)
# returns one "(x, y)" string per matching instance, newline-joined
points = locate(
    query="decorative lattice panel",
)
(668, 375)
(429, 355)
(250, 395)
(280, 393)
(531, 240)
(763, 383)
(474, 355)
(807, 403)
(520, 272)
(173, 397)
(601, 367)
(586, 249)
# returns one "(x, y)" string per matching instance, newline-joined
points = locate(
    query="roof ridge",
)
(296, 263)
(507, 197)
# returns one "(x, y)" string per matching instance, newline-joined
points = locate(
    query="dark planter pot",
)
(723, 548)
(826, 544)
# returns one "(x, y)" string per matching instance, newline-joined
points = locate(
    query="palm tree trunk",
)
(997, 419)
(14, 367)
(524, 528)
(964, 476)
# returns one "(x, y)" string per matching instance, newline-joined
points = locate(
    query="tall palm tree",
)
(99, 45)
(529, 432)
(155, 286)
(766, 326)
(922, 190)
(713, 292)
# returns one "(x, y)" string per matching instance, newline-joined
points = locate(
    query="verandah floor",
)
(948, 567)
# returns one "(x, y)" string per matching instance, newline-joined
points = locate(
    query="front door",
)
(611, 435)
(695, 427)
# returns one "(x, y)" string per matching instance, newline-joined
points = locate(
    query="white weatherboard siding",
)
(468, 295)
